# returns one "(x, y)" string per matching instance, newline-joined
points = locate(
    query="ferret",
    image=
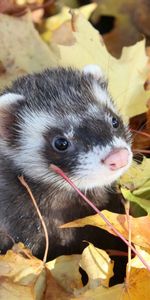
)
(65, 117)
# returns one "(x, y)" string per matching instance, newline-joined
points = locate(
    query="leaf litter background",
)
(68, 39)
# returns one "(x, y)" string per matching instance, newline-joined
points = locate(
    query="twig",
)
(141, 151)
(73, 20)
(140, 132)
(127, 209)
(23, 182)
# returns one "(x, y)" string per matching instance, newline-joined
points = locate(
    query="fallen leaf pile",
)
(67, 38)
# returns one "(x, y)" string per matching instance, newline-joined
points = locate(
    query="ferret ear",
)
(7, 113)
(94, 70)
(10, 98)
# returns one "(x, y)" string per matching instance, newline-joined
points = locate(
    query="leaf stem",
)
(24, 183)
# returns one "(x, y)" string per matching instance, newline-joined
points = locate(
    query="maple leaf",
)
(87, 48)
(124, 31)
(19, 35)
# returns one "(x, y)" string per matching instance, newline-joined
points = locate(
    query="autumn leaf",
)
(97, 265)
(65, 269)
(140, 233)
(129, 95)
(137, 175)
(21, 275)
(18, 55)
(53, 290)
(54, 22)
(136, 184)
(124, 31)
(72, 41)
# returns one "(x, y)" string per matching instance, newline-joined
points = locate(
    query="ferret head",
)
(64, 117)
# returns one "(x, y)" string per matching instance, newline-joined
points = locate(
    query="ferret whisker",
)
(110, 190)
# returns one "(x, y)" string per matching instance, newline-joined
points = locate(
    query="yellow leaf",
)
(65, 269)
(137, 180)
(21, 275)
(126, 76)
(137, 174)
(97, 265)
(21, 49)
(101, 293)
(54, 22)
(139, 278)
(140, 233)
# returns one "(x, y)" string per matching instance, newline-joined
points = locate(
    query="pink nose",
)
(117, 159)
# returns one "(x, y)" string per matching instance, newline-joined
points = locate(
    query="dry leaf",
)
(129, 95)
(53, 290)
(21, 276)
(140, 232)
(137, 181)
(54, 22)
(139, 278)
(137, 174)
(10, 7)
(140, 126)
(124, 31)
(137, 288)
(101, 293)
(18, 49)
(97, 265)
(65, 269)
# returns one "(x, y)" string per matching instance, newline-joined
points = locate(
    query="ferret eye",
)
(115, 122)
(61, 144)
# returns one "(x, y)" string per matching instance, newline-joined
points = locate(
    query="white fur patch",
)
(94, 70)
(102, 96)
(93, 110)
(74, 119)
(70, 133)
(9, 98)
(93, 173)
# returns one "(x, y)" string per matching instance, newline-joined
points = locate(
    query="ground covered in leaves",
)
(65, 37)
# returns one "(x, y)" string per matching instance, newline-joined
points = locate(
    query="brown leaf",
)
(123, 32)
(140, 127)
(54, 291)
(11, 8)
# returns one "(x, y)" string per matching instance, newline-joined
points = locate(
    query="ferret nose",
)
(117, 159)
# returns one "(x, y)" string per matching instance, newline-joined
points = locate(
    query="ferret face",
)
(64, 117)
